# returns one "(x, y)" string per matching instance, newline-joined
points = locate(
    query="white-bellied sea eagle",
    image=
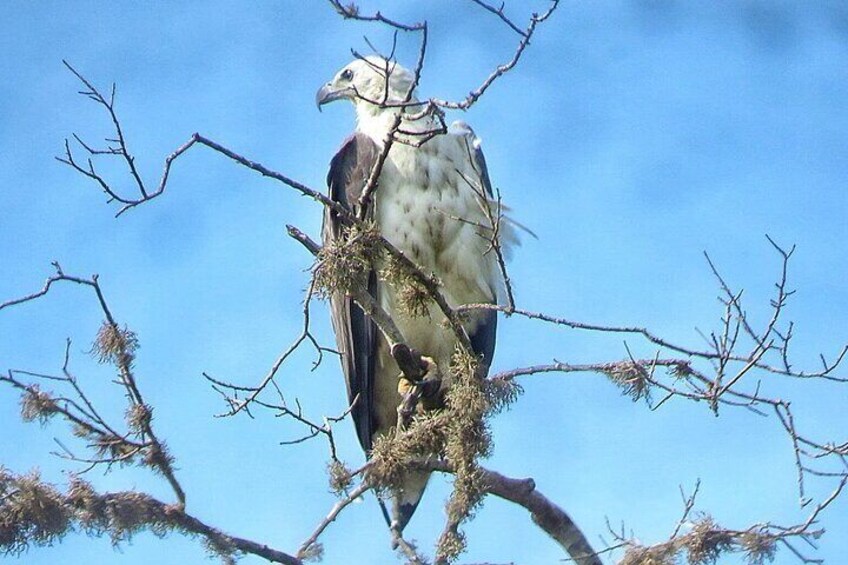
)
(431, 203)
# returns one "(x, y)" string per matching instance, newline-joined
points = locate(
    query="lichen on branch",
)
(343, 264)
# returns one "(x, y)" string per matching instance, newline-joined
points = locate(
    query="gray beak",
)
(323, 96)
(327, 94)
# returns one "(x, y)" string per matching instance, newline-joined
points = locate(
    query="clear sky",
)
(634, 136)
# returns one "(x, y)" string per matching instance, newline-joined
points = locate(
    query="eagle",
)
(433, 201)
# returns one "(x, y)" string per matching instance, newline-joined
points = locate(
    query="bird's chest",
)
(427, 206)
(417, 218)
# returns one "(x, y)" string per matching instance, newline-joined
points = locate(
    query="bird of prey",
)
(431, 202)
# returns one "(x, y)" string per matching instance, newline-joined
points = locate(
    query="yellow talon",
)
(431, 386)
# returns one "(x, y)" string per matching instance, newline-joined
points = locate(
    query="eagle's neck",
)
(375, 122)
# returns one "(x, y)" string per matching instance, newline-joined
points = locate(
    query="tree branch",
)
(116, 346)
(43, 515)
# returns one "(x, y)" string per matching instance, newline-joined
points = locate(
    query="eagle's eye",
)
(347, 75)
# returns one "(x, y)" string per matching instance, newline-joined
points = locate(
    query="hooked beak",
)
(327, 94)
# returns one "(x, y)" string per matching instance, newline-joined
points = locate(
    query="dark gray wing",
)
(480, 165)
(483, 337)
(356, 334)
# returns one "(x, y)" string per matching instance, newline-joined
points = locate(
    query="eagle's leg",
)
(421, 394)
(430, 384)
(420, 388)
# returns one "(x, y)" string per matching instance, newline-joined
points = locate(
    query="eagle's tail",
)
(406, 499)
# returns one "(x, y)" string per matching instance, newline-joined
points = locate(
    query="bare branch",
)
(545, 514)
(499, 12)
(146, 194)
(306, 546)
(351, 11)
(501, 70)
(237, 406)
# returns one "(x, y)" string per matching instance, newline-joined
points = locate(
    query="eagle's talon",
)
(429, 386)
(431, 382)
(405, 385)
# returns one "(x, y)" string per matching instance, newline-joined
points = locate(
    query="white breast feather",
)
(429, 210)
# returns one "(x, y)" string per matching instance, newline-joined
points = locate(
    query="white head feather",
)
(376, 86)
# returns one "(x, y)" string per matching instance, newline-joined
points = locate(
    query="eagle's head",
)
(364, 82)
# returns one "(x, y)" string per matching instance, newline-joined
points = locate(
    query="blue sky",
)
(634, 135)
